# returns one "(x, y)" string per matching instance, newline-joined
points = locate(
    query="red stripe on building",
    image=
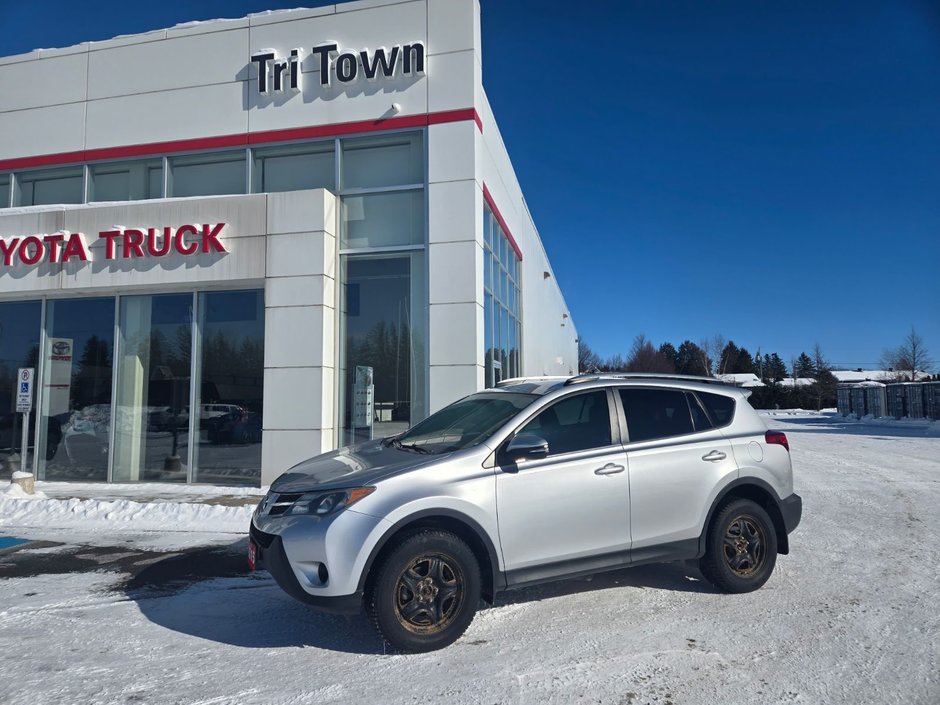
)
(242, 140)
(488, 197)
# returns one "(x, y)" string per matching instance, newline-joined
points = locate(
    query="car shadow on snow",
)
(210, 594)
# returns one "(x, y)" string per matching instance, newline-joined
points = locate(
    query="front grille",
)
(282, 503)
(259, 537)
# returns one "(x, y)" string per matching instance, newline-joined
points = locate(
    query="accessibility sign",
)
(24, 389)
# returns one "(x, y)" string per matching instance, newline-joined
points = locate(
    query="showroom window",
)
(19, 347)
(151, 438)
(383, 317)
(126, 181)
(212, 174)
(502, 327)
(229, 387)
(38, 188)
(137, 408)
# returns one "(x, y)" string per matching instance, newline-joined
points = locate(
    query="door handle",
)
(714, 456)
(609, 469)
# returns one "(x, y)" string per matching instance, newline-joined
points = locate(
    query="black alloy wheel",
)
(429, 593)
(745, 546)
(425, 593)
(740, 547)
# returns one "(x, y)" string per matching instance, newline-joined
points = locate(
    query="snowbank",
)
(927, 426)
(120, 515)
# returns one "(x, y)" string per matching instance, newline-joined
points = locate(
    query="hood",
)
(355, 466)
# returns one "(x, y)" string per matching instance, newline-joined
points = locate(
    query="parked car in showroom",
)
(538, 479)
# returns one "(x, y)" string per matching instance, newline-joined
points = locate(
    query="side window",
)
(720, 407)
(577, 422)
(656, 413)
(699, 417)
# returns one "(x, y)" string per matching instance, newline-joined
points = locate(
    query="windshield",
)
(465, 423)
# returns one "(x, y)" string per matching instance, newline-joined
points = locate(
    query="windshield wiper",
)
(405, 446)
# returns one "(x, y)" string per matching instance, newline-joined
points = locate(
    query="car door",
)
(569, 511)
(676, 463)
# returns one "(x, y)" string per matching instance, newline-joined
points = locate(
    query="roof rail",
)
(642, 375)
(519, 380)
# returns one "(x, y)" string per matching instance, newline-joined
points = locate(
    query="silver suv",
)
(538, 479)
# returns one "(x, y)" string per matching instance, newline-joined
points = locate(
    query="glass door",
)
(75, 407)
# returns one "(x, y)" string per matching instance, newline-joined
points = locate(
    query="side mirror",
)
(526, 447)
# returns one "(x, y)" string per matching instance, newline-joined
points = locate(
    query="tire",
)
(425, 593)
(740, 547)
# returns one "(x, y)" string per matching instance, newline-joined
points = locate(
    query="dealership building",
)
(231, 245)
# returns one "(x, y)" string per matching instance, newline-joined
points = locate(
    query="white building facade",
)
(229, 246)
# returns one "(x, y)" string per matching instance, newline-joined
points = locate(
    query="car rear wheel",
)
(740, 548)
(425, 593)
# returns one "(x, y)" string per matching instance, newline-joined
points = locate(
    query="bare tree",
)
(711, 352)
(704, 347)
(588, 361)
(646, 358)
(909, 357)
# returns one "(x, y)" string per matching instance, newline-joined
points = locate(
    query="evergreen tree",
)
(669, 352)
(774, 368)
(745, 363)
(729, 359)
(826, 383)
(804, 367)
(690, 359)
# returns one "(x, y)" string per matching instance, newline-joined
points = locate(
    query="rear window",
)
(720, 407)
(655, 413)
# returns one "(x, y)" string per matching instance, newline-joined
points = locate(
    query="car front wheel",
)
(425, 593)
(740, 547)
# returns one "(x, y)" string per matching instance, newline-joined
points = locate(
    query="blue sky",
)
(767, 171)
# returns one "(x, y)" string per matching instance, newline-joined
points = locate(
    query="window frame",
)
(46, 173)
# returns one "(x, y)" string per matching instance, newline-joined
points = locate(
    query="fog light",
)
(323, 574)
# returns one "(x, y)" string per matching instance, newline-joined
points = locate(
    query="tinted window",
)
(575, 423)
(699, 417)
(720, 407)
(207, 174)
(655, 413)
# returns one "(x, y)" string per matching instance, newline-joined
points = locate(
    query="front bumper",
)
(318, 560)
(271, 557)
(791, 509)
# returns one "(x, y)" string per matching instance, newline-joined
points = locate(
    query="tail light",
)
(778, 438)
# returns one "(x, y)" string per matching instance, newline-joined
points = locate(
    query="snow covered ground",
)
(850, 616)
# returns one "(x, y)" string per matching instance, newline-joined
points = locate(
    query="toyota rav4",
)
(535, 480)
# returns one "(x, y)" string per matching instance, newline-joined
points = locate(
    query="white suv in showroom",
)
(535, 480)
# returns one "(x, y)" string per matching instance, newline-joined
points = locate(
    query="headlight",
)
(324, 503)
